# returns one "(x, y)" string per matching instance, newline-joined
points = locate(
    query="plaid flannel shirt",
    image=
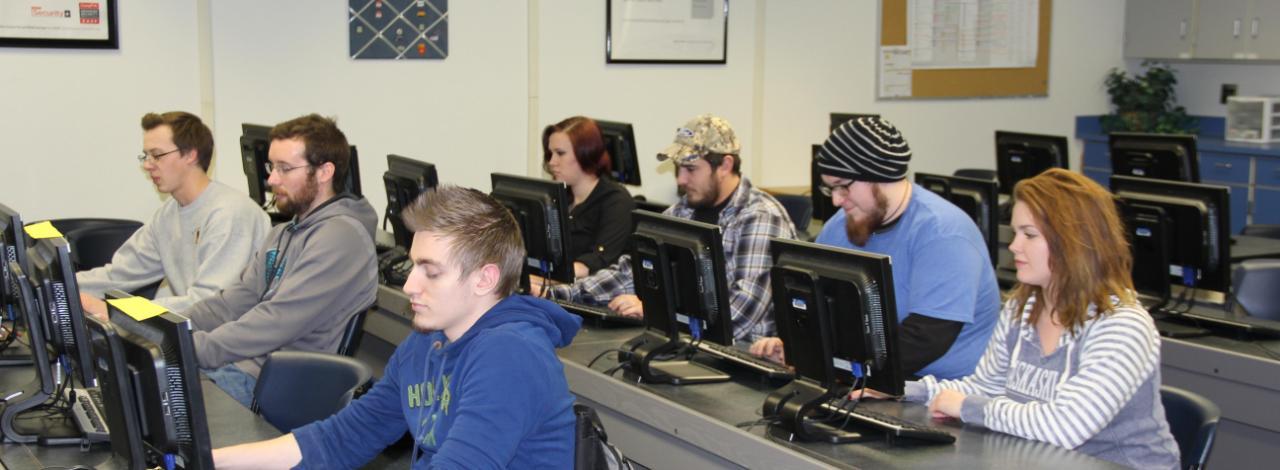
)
(748, 222)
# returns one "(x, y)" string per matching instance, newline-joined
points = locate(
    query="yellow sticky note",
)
(137, 308)
(42, 230)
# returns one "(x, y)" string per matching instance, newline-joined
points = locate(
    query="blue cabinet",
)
(1239, 206)
(1224, 168)
(1266, 206)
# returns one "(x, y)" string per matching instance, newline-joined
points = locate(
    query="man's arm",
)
(281, 452)
(922, 340)
(223, 247)
(333, 275)
(600, 287)
(750, 298)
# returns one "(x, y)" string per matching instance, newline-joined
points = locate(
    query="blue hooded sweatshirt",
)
(495, 398)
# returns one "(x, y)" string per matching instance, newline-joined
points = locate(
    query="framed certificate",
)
(667, 31)
(59, 23)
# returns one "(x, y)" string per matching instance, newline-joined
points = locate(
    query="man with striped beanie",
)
(944, 286)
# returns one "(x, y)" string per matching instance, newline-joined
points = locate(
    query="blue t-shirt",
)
(941, 269)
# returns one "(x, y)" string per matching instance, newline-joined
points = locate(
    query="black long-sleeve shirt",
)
(600, 226)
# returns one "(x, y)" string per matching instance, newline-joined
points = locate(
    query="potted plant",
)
(1146, 102)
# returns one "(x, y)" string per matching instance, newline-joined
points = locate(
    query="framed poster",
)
(59, 23)
(667, 31)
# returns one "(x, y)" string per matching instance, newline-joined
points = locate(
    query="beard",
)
(708, 198)
(859, 230)
(294, 204)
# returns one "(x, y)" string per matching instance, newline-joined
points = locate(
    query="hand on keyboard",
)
(627, 305)
(769, 348)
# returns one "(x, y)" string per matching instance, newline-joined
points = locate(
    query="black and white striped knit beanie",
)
(865, 149)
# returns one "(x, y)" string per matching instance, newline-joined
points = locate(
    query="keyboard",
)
(766, 367)
(87, 410)
(600, 313)
(895, 428)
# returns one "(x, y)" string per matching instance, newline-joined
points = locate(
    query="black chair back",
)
(979, 173)
(296, 388)
(799, 208)
(93, 246)
(352, 334)
(1193, 420)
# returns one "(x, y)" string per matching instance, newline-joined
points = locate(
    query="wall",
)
(820, 57)
(75, 114)
(465, 114)
(1199, 84)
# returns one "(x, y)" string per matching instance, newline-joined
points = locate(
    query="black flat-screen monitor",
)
(43, 387)
(1199, 217)
(837, 318)
(1020, 156)
(405, 180)
(1149, 229)
(59, 299)
(678, 273)
(255, 144)
(1161, 156)
(840, 118)
(823, 207)
(13, 249)
(978, 198)
(150, 381)
(620, 142)
(541, 208)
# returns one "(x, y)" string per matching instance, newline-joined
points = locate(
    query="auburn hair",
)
(1089, 257)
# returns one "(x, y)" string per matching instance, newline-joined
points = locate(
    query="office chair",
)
(592, 450)
(1193, 420)
(296, 388)
(799, 208)
(93, 245)
(979, 173)
(352, 334)
(1262, 230)
(75, 223)
(1254, 287)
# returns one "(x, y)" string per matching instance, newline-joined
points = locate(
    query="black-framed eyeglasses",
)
(282, 169)
(828, 191)
(153, 157)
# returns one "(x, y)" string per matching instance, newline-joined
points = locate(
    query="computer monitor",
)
(150, 380)
(13, 249)
(679, 276)
(44, 385)
(840, 118)
(620, 141)
(1199, 215)
(837, 318)
(977, 197)
(404, 180)
(823, 207)
(1162, 156)
(1020, 156)
(59, 300)
(541, 208)
(1149, 229)
(255, 143)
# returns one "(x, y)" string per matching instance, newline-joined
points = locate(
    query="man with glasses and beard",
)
(708, 171)
(946, 289)
(311, 276)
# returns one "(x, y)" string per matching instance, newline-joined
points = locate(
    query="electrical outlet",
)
(1228, 90)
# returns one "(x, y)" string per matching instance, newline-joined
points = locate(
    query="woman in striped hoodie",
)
(1075, 359)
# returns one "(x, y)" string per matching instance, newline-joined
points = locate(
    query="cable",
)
(605, 352)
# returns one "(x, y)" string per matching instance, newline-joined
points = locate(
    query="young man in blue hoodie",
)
(478, 385)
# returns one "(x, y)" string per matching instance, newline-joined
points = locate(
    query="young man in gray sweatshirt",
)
(200, 238)
(310, 276)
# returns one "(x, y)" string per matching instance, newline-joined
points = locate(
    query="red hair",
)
(588, 144)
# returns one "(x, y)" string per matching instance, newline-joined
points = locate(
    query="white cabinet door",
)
(1160, 29)
(1263, 28)
(1222, 26)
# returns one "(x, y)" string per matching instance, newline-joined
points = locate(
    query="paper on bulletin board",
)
(969, 34)
(895, 72)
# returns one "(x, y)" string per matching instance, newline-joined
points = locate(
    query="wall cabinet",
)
(1202, 29)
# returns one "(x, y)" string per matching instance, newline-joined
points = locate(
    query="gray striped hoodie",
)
(1098, 393)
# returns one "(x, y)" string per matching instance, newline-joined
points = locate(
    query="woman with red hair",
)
(573, 152)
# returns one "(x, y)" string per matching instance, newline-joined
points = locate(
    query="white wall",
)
(76, 113)
(820, 57)
(574, 79)
(273, 61)
(1199, 85)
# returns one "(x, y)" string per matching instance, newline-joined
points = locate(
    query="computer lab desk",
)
(230, 423)
(693, 426)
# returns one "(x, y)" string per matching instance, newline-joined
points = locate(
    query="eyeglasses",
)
(828, 191)
(153, 157)
(282, 169)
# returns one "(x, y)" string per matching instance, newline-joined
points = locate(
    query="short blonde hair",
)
(480, 229)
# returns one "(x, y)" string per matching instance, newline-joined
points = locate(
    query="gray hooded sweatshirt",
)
(298, 291)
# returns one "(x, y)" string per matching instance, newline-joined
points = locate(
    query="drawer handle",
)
(1222, 165)
(1235, 28)
(1182, 29)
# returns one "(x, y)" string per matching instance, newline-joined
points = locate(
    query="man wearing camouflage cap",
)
(944, 285)
(708, 171)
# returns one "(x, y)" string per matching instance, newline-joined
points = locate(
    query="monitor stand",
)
(646, 350)
(795, 406)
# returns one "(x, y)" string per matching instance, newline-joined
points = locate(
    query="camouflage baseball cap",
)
(698, 137)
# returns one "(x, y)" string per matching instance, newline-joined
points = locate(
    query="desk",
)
(230, 423)
(1245, 247)
(664, 426)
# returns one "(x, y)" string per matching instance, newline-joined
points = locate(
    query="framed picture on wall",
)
(71, 24)
(667, 31)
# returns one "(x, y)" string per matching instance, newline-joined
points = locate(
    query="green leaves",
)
(1146, 103)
